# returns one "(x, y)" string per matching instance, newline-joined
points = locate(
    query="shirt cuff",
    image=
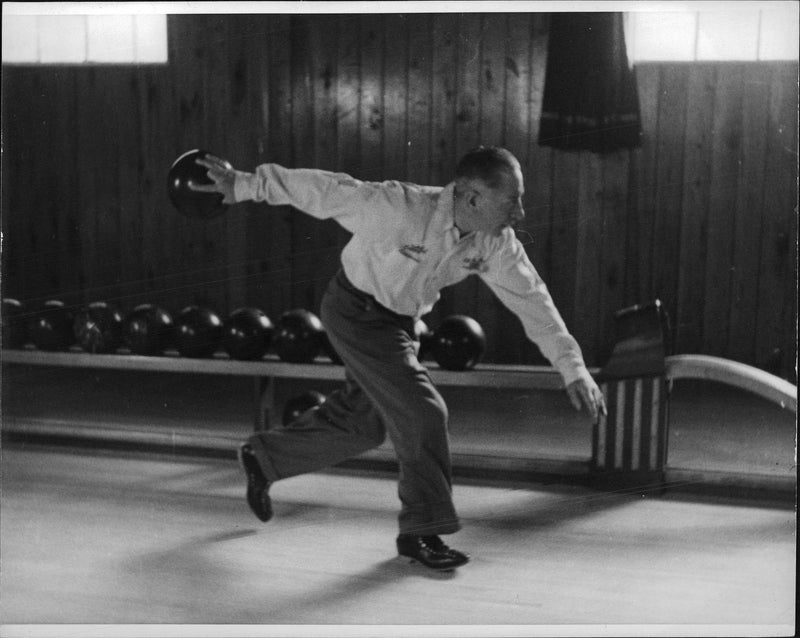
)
(245, 186)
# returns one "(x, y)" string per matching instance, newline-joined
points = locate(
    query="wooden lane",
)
(165, 540)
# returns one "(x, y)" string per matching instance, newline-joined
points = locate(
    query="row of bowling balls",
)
(458, 343)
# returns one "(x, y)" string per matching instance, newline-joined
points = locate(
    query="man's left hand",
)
(584, 392)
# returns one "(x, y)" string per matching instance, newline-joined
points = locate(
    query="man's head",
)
(488, 190)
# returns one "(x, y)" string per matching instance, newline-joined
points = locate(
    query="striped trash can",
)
(629, 444)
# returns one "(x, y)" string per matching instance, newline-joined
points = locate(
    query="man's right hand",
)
(223, 175)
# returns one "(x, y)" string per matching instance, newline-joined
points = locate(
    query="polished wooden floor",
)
(109, 538)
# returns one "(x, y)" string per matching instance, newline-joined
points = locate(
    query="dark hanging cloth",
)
(590, 98)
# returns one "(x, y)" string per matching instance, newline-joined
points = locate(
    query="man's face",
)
(499, 207)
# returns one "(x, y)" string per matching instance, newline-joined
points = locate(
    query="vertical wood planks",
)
(726, 147)
(777, 308)
(419, 99)
(642, 218)
(688, 318)
(746, 218)
(669, 185)
(395, 97)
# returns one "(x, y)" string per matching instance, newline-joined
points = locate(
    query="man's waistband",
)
(345, 283)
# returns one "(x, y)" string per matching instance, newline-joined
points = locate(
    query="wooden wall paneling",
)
(275, 222)
(129, 201)
(443, 99)
(395, 96)
(726, 148)
(14, 183)
(157, 213)
(614, 269)
(747, 214)
(63, 263)
(40, 211)
(587, 307)
(687, 322)
(669, 184)
(419, 98)
(642, 222)
(776, 346)
(349, 95)
(468, 84)
(99, 184)
(371, 98)
(305, 229)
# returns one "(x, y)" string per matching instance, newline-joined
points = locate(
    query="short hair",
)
(486, 163)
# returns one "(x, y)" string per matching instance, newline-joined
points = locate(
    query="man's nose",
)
(518, 214)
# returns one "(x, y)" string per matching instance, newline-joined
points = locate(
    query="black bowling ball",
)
(247, 334)
(148, 330)
(98, 328)
(198, 332)
(458, 343)
(299, 405)
(51, 328)
(298, 336)
(424, 335)
(15, 329)
(185, 172)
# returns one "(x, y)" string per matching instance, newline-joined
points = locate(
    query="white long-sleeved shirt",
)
(405, 248)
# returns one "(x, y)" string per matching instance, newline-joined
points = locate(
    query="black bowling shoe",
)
(257, 484)
(430, 551)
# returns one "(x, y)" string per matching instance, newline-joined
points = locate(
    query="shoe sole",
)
(415, 561)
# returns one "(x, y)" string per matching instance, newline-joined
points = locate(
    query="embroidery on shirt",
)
(478, 264)
(413, 251)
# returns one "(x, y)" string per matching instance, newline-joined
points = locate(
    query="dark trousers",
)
(387, 391)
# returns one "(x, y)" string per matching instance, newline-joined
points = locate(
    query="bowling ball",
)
(198, 332)
(51, 327)
(185, 172)
(328, 349)
(247, 334)
(458, 343)
(15, 329)
(98, 328)
(148, 330)
(300, 404)
(298, 336)
(424, 335)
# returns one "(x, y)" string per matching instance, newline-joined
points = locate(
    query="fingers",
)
(203, 188)
(218, 171)
(589, 395)
(572, 393)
